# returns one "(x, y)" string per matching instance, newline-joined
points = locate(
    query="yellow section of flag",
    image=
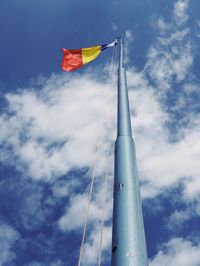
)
(89, 54)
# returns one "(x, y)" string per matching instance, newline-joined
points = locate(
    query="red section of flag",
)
(72, 59)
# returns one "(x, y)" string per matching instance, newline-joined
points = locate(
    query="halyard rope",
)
(112, 82)
(103, 207)
(88, 208)
(111, 79)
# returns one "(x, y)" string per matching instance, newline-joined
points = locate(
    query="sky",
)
(51, 123)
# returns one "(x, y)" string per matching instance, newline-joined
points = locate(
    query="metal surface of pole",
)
(128, 237)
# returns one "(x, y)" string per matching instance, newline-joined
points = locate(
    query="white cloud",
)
(78, 206)
(177, 219)
(171, 56)
(32, 213)
(129, 36)
(163, 164)
(91, 248)
(61, 188)
(180, 12)
(177, 252)
(198, 28)
(36, 263)
(161, 25)
(55, 129)
(46, 146)
(8, 237)
(128, 41)
(114, 27)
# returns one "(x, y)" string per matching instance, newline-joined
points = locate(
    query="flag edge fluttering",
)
(76, 58)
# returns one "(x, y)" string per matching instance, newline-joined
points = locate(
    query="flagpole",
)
(128, 237)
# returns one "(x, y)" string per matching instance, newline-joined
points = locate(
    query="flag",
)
(73, 59)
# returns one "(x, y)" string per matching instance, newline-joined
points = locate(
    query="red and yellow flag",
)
(73, 59)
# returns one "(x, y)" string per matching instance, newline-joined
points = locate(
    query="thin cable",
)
(91, 186)
(112, 82)
(103, 208)
(88, 209)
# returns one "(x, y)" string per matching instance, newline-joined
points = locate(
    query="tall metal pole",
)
(128, 237)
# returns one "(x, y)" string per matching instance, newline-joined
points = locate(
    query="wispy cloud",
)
(37, 263)
(8, 237)
(180, 12)
(170, 57)
(50, 126)
(177, 252)
(129, 37)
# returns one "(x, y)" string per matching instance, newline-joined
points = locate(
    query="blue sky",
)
(51, 121)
